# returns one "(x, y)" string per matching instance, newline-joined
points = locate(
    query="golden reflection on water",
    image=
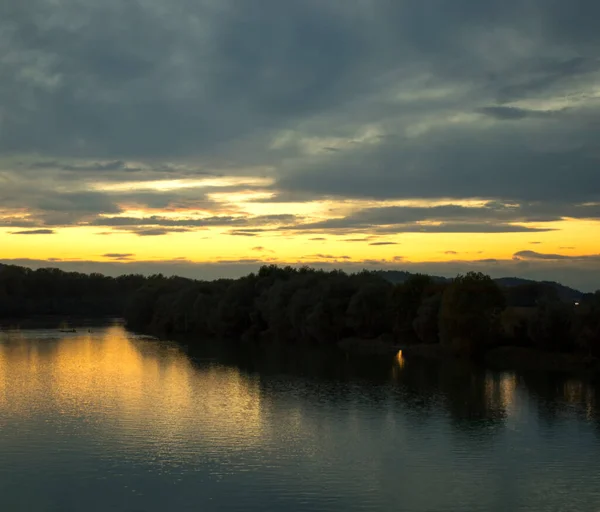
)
(500, 391)
(400, 359)
(130, 382)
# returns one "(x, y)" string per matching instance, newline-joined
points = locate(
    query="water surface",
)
(111, 421)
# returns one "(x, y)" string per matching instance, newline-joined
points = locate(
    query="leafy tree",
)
(529, 294)
(551, 326)
(368, 313)
(406, 301)
(426, 322)
(469, 313)
(586, 324)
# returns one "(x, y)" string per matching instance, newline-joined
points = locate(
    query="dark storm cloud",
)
(465, 98)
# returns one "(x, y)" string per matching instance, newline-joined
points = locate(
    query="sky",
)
(206, 137)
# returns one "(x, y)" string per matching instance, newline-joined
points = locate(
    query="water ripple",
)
(113, 421)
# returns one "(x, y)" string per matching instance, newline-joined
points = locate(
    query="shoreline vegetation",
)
(521, 325)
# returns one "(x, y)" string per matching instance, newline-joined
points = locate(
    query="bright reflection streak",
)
(400, 359)
(133, 385)
(500, 391)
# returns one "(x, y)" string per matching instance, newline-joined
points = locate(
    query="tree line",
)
(49, 291)
(468, 314)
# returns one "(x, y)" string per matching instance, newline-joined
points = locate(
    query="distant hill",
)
(399, 276)
(564, 292)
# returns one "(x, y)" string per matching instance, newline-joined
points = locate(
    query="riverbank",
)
(520, 358)
(516, 358)
(58, 322)
(503, 358)
(377, 346)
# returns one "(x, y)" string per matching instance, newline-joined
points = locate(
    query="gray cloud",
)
(454, 100)
(515, 113)
(45, 200)
(539, 256)
(383, 243)
(345, 226)
(144, 231)
(157, 231)
(34, 232)
(115, 165)
(465, 227)
(532, 255)
(156, 220)
(325, 257)
(212, 75)
(243, 233)
(118, 256)
(240, 261)
(110, 170)
(494, 217)
(401, 215)
(463, 162)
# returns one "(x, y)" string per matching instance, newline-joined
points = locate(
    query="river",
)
(111, 421)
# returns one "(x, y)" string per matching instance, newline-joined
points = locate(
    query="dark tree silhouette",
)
(304, 305)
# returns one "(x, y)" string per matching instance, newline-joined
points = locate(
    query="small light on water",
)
(400, 358)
